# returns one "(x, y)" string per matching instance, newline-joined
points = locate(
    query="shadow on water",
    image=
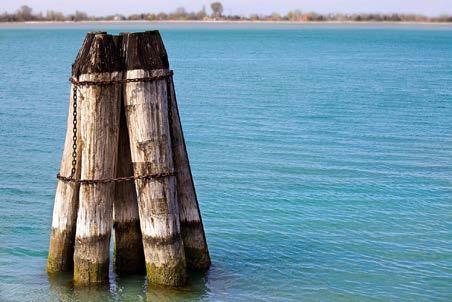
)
(126, 288)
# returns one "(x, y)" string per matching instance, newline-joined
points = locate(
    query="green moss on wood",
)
(128, 252)
(197, 259)
(168, 275)
(61, 252)
(87, 272)
(196, 251)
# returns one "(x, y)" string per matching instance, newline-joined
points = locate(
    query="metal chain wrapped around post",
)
(77, 84)
(74, 131)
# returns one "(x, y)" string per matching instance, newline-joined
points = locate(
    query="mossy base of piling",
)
(167, 275)
(87, 272)
(196, 251)
(91, 260)
(128, 253)
(61, 251)
(197, 259)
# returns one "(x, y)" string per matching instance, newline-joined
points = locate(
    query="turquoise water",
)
(322, 159)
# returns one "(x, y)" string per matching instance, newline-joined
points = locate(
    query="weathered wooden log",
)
(61, 248)
(192, 229)
(146, 106)
(100, 108)
(128, 253)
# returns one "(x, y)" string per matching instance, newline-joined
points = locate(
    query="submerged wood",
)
(128, 253)
(61, 247)
(195, 244)
(146, 107)
(99, 127)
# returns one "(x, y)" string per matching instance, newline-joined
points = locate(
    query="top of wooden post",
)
(99, 53)
(144, 50)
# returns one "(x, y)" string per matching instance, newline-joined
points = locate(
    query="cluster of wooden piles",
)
(125, 166)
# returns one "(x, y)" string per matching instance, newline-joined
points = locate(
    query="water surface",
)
(321, 154)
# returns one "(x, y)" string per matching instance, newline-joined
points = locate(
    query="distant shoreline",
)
(211, 22)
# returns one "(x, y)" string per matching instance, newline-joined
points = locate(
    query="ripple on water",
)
(321, 156)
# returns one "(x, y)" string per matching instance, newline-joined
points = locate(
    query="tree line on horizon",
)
(25, 13)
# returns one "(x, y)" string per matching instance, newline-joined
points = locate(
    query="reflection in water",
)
(126, 288)
(60, 286)
(62, 289)
(196, 289)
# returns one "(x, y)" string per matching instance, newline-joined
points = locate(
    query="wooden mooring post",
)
(128, 253)
(99, 128)
(61, 249)
(192, 229)
(146, 105)
(125, 167)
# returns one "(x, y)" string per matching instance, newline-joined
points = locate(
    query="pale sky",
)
(240, 7)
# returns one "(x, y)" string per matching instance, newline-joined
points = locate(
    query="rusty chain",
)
(77, 84)
(117, 179)
(74, 131)
(170, 108)
(167, 74)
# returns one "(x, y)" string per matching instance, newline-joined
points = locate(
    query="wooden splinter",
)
(100, 108)
(146, 107)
